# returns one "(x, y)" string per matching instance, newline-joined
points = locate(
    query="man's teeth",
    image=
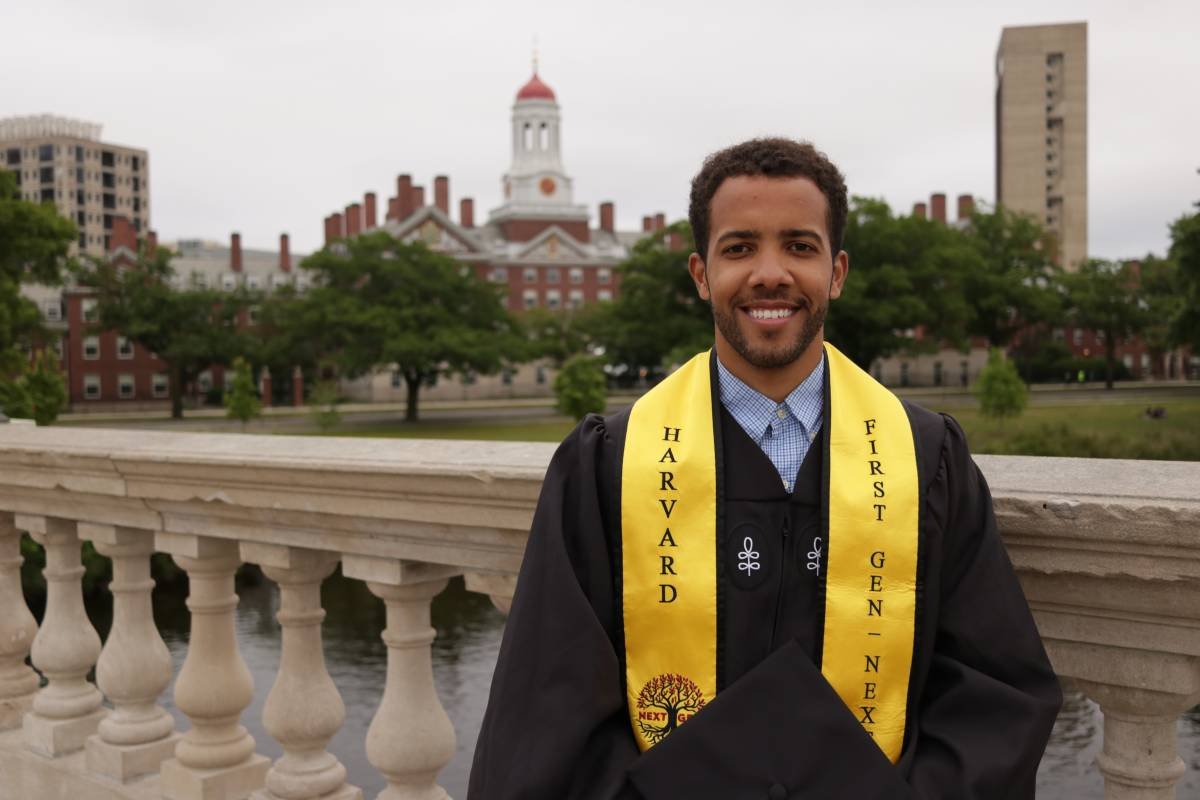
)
(771, 313)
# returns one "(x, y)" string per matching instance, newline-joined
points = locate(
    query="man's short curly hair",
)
(774, 157)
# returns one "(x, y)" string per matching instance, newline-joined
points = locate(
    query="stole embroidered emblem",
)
(668, 523)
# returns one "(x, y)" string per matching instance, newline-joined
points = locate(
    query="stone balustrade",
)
(1108, 552)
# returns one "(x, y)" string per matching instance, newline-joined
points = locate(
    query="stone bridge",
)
(1108, 552)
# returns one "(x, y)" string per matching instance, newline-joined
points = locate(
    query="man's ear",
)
(841, 267)
(699, 274)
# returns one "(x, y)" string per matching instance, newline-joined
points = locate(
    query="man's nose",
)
(770, 270)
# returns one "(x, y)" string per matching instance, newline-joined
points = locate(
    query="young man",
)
(770, 577)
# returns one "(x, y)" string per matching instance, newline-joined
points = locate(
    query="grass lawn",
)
(1095, 430)
(1107, 429)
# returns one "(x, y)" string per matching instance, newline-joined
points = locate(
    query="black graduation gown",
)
(983, 696)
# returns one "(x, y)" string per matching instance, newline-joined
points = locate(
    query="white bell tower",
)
(537, 184)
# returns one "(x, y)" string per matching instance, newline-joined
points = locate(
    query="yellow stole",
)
(669, 544)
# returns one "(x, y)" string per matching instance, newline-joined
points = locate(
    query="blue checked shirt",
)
(784, 430)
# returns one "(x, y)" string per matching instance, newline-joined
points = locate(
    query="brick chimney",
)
(353, 219)
(338, 225)
(393, 204)
(441, 194)
(937, 207)
(285, 253)
(404, 197)
(123, 235)
(607, 214)
(151, 243)
(647, 224)
(966, 207)
(919, 210)
(235, 252)
(660, 221)
(418, 198)
(466, 212)
(368, 211)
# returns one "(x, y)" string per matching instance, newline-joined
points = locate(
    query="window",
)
(137, 165)
(46, 153)
(137, 204)
(1077, 337)
(1145, 362)
(91, 387)
(204, 380)
(108, 180)
(47, 195)
(553, 299)
(529, 298)
(575, 298)
(552, 275)
(46, 174)
(604, 275)
(228, 282)
(498, 275)
(604, 295)
(78, 153)
(106, 158)
(90, 312)
(527, 136)
(14, 155)
(91, 348)
(252, 281)
(160, 386)
(1128, 361)
(110, 201)
(530, 275)
(124, 348)
(53, 310)
(199, 280)
(108, 219)
(575, 275)
(137, 183)
(125, 387)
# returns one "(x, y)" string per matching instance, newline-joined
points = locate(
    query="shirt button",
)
(779, 412)
(777, 792)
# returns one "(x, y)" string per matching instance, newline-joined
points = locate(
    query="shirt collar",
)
(754, 411)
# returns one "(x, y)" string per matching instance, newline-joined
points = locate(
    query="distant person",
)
(770, 578)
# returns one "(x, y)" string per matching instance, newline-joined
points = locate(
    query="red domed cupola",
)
(535, 90)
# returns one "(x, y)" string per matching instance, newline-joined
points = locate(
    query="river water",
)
(464, 655)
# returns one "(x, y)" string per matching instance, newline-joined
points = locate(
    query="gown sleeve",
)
(556, 725)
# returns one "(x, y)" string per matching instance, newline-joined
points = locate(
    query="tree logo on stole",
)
(665, 702)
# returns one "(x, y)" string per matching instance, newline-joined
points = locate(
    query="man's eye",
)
(737, 249)
(802, 247)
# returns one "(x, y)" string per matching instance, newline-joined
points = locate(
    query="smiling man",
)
(770, 577)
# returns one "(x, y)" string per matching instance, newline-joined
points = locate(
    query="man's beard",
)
(783, 353)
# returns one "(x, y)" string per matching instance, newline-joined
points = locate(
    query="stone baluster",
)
(67, 710)
(134, 666)
(216, 757)
(303, 710)
(496, 586)
(18, 682)
(1140, 757)
(410, 738)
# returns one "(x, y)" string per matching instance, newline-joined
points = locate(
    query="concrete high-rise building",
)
(1041, 130)
(63, 161)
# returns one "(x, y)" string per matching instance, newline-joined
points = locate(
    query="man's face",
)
(770, 273)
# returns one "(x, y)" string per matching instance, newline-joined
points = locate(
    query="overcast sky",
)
(263, 117)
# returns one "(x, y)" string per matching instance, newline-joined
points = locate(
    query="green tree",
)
(1012, 283)
(1161, 297)
(1185, 252)
(40, 393)
(1000, 390)
(905, 273)
(34, 245)
(657, 318)
(581, 387)
(1102, 296)
(188, 329)
(324, 403)
(554, 335)
(241, 396)
(378, 301)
